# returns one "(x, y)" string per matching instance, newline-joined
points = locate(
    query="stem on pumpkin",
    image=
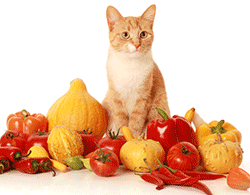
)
(220, 140)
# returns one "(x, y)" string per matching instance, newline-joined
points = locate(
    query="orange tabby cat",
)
(136, 85)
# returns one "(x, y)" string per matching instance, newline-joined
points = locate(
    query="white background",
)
(201, 47)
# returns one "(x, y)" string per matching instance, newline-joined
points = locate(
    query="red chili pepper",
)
(45, 165)
(27, 165)
(197, 184)
(152, 179)
(12, 153)
(204, 175)
(165, 171)
(170, 172)
(180, 174)
(175, 181)
(170, 131)
(6, 163)
(202, 187)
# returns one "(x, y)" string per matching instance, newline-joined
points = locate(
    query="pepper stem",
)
(147, 165)
(163, 114)
(159, 162)
(137, 173)
(218, 128)
(24, 113)
(18, 156)
(161, 165)
(1, 168)
(170, 169)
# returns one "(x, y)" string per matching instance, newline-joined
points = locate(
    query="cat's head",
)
(131, 35)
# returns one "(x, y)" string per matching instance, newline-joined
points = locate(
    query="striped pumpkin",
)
(63, 142)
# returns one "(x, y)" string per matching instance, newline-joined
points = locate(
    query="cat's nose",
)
(137, 46)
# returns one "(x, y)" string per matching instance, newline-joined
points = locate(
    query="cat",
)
(135, 84)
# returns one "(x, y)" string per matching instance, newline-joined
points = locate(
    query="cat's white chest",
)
(127, 75)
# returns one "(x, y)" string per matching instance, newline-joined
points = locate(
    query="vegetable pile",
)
(71, 137)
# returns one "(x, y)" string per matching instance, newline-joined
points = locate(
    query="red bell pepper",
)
(26, 123)
(170, 131)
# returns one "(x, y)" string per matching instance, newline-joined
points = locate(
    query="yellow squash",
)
(78, 110)
(63, 142)
(220, 156)
(135, 152)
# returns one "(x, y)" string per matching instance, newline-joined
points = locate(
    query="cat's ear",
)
(113, 17)
(149, 14)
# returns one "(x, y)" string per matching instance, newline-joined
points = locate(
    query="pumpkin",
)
(220, 156)
(63, 142)
(78, 110)
(136, 154)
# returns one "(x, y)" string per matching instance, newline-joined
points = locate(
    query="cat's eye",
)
(143, 34)
(125, 35)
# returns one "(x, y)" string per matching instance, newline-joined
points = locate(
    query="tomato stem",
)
(112, 134)
(39, 132)
(86, 131)
(185, 150)
(11, 135)
(102, 157)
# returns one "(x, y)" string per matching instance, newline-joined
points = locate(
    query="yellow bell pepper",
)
(228, 132)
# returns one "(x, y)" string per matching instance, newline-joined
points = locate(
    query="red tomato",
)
(113, 142)
(37, 139)
(89, 141)
(104, 162)
(183, 156)
(13, 138)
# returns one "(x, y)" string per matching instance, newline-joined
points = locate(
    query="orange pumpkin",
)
(78, 110)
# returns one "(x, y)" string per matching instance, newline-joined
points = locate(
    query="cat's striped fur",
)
(136, 85)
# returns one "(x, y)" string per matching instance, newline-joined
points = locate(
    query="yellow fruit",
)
(39, 151)
(220, 156)
(190, 114)
(135, 152)
(63, 142)
(78, 110)
(127, 134)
